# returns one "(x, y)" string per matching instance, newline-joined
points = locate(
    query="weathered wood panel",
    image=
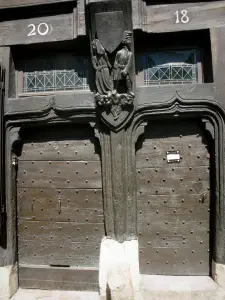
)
(79, 198)
(28, 31)
(59, 150)
(60, 243)
(60, 231)
(59, 200)
(2, 156)
(201, 15)
(155, 94)
(59, 174)
(18, 3)
(190, 155)
(172, 174)
(176, 201)
(162, 262)
(71, 253)
(60, 205)
(173, 201)
(162, 188)
(218, 58)
(58, 278)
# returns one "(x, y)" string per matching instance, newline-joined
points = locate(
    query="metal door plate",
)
(173, 156)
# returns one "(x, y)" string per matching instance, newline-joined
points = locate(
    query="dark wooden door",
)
(173, 199)
(60, 209)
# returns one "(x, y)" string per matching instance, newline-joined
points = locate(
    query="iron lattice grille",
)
(53, 79)
(179, 72)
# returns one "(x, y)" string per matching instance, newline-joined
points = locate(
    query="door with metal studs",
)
(60, 208)
(173, 199)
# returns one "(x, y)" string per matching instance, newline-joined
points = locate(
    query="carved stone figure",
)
(112, 60)
(122, 73)
(101, 64)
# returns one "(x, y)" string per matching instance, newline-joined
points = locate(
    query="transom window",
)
(57, 73)
(170, 67)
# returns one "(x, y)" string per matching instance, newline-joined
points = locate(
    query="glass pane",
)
(170, 67)
(62, 72)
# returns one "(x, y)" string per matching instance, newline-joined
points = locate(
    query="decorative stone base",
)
(218, 273)
(8, 282)
(119, 270)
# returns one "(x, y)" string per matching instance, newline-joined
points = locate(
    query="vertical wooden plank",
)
(173, 200)
(218, 59)
(10, 73)
(12, 91)
(2, 142)
(59, 224)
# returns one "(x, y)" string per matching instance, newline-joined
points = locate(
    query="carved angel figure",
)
(100, 61)
(123, 64)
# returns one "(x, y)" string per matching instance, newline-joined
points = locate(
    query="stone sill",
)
(155, 287)
(178, 283)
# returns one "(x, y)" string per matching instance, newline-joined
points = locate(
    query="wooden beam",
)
(37, 30)
(58, 278)
(153, 95)
(184, 16)
(218, 57)
(19, 3)
(2, 145)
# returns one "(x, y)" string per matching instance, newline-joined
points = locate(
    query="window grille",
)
(43, 75)
(171, 67)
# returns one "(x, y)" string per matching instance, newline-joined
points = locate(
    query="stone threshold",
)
(154, 287)
(178, 283)
(30, 294)
(158, 287)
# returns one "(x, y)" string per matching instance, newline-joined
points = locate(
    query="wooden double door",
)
(60, 204)
(173, 199)
(60, 208)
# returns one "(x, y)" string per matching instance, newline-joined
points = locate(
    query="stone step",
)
(157, 287)
(25, 294)
(154, 287)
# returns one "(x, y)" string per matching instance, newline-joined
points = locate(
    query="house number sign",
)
(182, 16)
(40, 29)
(173, 156)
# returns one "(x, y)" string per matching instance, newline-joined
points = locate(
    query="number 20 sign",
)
(40, 29)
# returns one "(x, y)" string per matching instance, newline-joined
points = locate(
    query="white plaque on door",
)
(173, 156)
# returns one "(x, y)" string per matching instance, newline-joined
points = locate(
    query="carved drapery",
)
(111, 38)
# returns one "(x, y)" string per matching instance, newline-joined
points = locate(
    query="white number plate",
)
(173, 156)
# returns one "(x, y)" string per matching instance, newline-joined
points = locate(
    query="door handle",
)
(203, 197)
(59, 207)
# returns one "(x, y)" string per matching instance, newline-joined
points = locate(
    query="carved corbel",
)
(111, 39)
